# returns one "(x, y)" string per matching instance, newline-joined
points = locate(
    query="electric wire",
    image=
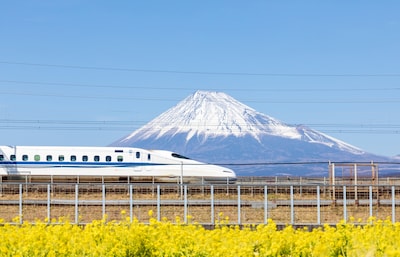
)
(148, 87)
(126, 125)
(63, 66)
(265, 100)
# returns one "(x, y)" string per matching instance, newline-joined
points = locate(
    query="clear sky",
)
(89, 72)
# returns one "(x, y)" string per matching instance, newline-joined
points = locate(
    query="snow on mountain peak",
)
(212, 114)
(207, 115)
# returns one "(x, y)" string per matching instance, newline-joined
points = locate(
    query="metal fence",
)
(295, 204)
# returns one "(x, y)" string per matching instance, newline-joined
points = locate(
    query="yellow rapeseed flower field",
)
(166, 238)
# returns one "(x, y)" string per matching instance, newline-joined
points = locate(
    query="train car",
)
(122, 163)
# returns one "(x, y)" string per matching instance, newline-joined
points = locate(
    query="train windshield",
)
(180, 156)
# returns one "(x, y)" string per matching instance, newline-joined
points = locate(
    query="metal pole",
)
(393, 205)
(51, 182)
(355, 182)
(333, 181)
(212, 204)
(265, 204)
(370, 201)
(48, 202)
(158, 203)
(181, 179)
(76, 203)
(373, 172)
(318, 206)
(1, 186)
(181, 173)
(239, 204)
(185, 204)
(103, 200)
(301, 188)
(26, 185)
(20, 203)
(291, 205)
(130, 202)
(344, 204)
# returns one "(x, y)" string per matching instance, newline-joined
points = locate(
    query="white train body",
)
(108, 162)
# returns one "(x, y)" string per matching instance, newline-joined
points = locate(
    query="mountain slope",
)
(214, 127)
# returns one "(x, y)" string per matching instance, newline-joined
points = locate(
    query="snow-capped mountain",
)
(216, 128)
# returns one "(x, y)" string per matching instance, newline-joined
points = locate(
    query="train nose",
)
(230, 174)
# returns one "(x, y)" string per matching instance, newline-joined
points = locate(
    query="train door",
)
(137, 156)
(145, 160)
(148, 162)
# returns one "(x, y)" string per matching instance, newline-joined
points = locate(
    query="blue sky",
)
(90, 72)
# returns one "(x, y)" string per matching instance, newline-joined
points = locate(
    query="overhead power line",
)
(63, 66)
(265, 100)
(301, 89)
(128, 126)
(136, 122)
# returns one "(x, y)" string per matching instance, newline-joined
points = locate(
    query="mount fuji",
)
(214, 127)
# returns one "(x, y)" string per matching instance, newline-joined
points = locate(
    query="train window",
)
(149, 157)
(37, 157)
(1, 157)
(13, 157)
(179, 156)
(137, 155)
(73, 158)
(96, 158)
(85, 158)
(49, 158)
(25, 157)
(61, 158)
(108, 158)
(120, 158)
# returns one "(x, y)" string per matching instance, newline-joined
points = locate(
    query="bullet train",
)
(124, 163)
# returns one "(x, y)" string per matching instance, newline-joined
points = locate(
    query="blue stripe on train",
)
(81, 164)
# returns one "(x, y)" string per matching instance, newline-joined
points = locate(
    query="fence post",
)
(370, 202)
(355, 182)
(76, 203)
(318, 206)
(185, 204)
(332, 179)
(344, 204)
(158, 203)
(103, 200)
(48, 202)
(130, 203)
(212, 204)
(291, 205)
(20, 204)
(301, 187)
(238, 204)
(393, 205)
(265, 204)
